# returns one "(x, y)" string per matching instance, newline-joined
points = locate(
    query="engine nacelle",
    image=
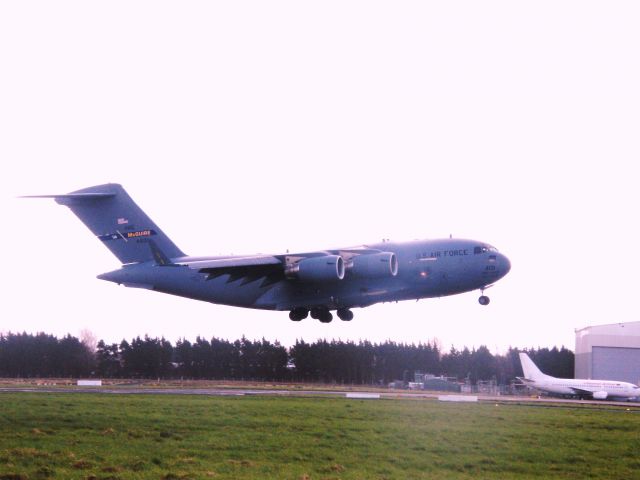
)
(374, 265)
(599, 395)
(317, 269)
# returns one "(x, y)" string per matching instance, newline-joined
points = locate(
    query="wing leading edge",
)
(270, 268)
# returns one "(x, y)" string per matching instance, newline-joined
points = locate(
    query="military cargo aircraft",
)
(308, 283)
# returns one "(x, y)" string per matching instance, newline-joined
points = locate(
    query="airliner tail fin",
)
(530, 370)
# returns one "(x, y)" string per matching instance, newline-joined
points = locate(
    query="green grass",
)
(89, 436)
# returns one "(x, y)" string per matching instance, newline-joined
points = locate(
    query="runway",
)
(288, 392)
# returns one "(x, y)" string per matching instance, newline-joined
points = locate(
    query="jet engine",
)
(317, 269)
(384, 264)
(599, 395)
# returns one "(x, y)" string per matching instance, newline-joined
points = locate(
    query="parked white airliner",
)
(596, 389)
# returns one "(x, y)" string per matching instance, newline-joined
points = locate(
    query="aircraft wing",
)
(582, 391)
(351, 252)
(270, 268)
(249, 269)
(217, 263)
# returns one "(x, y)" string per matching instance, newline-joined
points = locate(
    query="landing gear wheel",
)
(345, 314)
(322, 314)
(298, 314)
(484, 300)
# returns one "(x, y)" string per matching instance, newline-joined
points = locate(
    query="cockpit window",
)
(484, 249)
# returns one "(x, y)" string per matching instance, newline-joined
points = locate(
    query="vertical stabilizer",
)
(530, 370)
(110, 213)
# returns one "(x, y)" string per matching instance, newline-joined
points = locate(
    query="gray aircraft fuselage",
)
(427, 268)
(313, 282)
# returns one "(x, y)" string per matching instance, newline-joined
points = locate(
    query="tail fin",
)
(119, 223)
(531, 372)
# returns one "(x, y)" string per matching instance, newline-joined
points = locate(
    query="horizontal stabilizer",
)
(525, 380)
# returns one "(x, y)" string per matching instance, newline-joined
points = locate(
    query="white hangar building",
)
(609, 352)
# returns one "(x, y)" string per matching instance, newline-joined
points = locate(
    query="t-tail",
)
(530, 370)
(112, 216)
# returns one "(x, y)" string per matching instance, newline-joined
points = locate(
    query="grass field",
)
(89, 436)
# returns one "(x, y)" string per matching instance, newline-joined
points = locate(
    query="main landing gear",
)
(298, 314)
(320, 313)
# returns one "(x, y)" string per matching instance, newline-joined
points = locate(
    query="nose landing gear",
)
(484, 300)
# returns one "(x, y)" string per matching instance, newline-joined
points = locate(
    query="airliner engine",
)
(375, 265)
(317, 269)
(599, 395)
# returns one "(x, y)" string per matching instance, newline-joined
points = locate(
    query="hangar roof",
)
(616, 335)
(624, 329)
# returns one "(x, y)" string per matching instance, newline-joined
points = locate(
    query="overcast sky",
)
(255, 127)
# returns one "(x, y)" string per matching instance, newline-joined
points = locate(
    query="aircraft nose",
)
(505, 264)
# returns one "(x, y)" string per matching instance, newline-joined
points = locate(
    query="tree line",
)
(335, 361)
